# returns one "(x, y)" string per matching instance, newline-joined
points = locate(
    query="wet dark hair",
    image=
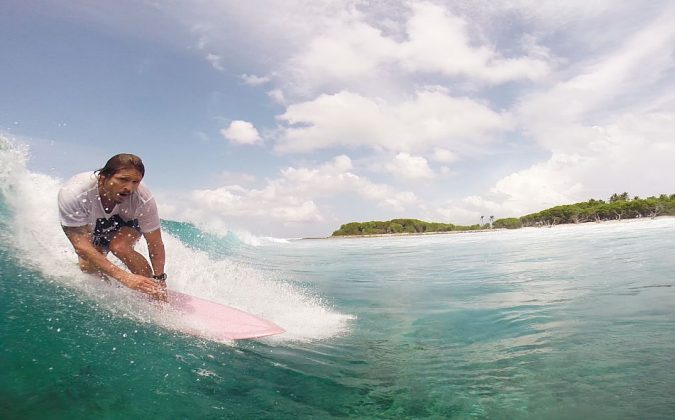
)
(122, 161)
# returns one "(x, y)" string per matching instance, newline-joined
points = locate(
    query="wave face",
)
(568, 322)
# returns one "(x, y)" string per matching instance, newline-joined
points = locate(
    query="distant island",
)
(620, 206)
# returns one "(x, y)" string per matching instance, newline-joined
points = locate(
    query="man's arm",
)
(156, 250)
(80, 237)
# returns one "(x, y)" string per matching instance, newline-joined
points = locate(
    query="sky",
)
(288, 119)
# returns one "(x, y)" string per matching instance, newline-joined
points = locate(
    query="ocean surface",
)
(564, 323)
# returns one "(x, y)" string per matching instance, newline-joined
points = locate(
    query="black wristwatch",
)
(160, 277)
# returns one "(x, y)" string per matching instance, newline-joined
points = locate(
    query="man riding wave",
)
(108, 211)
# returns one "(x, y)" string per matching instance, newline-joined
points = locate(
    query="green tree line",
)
(398, 226)
(619, 206)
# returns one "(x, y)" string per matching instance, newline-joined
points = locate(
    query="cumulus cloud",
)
(444, 155)
(216, 61)
(298, 196)
(235, 178)
(336, 177)
(411, 167)
(440, 42)
(634, 154)
(277, 95)
(433, 41)
(266, 203)
(431, 118)
(562, 116)
(608, 127)
(349, 51)
(253, 80)
(241, 132)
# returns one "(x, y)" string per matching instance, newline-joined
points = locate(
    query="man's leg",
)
(122, 246)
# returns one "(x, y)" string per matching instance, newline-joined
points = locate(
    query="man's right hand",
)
(146, 285)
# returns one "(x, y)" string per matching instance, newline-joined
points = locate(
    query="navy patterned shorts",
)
(106, 229)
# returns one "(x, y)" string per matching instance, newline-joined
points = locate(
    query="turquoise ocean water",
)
(571, 322)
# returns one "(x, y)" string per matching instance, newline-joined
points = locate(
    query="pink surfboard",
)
(218, 322)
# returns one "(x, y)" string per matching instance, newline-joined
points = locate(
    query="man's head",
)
(120, 176)
(122, 161)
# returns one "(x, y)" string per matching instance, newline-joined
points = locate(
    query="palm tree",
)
(492, 219)
(481, 221)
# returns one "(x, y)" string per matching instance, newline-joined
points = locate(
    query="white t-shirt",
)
(80, 205)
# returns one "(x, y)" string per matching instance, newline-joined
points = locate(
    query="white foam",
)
(35, 233)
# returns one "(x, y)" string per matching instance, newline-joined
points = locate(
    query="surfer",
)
(107, 211)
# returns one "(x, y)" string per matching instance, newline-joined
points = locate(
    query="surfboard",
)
(212, 320)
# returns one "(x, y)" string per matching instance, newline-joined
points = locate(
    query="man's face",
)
(121, 185)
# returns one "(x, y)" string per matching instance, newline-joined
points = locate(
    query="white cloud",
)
(440, 42)
(336, 178)
(347, 52)
(241, 132)
(412, 167)
(299, 196)
(240, 202)
(253, 80)
(541, 186)
(633, 154)
(561, 117)
(430, 119)
(216, 61)
(302, 212)
(277, 95)
(353, 53)
(608, 125)
(201, 43)
(445, 156)
(235, 178)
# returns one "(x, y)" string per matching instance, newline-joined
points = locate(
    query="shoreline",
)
(405, 234)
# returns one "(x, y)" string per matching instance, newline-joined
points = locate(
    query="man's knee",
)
(122, 244)
(120, 249)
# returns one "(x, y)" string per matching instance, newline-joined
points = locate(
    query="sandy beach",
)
(558, 226)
